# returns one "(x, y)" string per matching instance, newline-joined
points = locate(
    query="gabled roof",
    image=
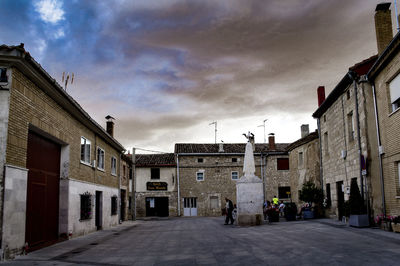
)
(18, 57)
(159, 160)
(386, 56)
(229, 148)
(359, 69)
(310, 137)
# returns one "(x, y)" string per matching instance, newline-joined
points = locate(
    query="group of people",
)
(230, 212)
(273, 209)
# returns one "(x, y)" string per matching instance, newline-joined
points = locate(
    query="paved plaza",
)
(207, 241)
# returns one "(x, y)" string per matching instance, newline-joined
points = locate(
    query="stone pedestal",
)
(250, 198)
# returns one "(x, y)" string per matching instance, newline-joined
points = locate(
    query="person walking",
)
(275, 201)
(282, 209)
(229, 209)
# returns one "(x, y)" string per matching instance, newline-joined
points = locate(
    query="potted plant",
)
(310, 194)
(358, 214)
(290, 211)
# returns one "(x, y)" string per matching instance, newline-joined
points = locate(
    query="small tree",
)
(310, 193)
(356, 202)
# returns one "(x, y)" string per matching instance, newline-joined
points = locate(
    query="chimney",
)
(305, 130)
(221, 147)
(383, 26)
(110, 125)
(271, 141)
(321, 95)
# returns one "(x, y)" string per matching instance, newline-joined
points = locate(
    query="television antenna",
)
(214, 123)
(66, 77)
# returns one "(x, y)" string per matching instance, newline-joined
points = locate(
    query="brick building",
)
(59, 169)
(304, 162)
(207, 173)
(155, 185)
(385, 81)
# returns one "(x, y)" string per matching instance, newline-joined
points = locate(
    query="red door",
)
(43, 162)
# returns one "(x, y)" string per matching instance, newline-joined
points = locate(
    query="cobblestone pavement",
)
(206, 241)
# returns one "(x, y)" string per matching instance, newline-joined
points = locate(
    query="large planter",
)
(308, 214)
(396, 228)
(360, 220)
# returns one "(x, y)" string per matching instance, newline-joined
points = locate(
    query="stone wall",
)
(389, 122)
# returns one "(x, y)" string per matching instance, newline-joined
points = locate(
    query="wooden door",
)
(43, 162)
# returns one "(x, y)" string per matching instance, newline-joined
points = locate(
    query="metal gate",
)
(43, 162)
(189, 206)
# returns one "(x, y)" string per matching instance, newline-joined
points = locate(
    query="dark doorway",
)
(157, 207)
(43, 162)
(340, 199)
(99, 210)
(123, 204)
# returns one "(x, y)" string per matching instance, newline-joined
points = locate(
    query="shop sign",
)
(157, 186)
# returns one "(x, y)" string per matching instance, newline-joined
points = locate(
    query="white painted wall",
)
(143, 175)
(14, 218)
(76, 188)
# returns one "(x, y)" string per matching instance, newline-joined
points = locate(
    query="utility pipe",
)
(177, 181)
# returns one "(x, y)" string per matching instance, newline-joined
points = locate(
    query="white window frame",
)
(85, 142)
(237, 175)
(197, 177)
(394, 90)
(113, 166)
(98, 158)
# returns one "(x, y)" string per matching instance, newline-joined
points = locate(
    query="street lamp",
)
(263, 125)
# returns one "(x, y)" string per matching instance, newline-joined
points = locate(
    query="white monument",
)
(249, 190)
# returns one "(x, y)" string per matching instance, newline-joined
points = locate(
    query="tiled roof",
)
(166, 159)
(183, 148)
(310, 137)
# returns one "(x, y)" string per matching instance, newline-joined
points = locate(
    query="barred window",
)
(86, 206)
(114, 205)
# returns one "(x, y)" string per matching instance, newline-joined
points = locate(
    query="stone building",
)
(385, 81)
(207, 173)
(304, 162)
(155, 185)
(59, 168)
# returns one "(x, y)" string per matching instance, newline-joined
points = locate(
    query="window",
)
(235, 175)
(113, 165)
(130, 203)
(301, 159)
(124, 171)
(348, 94)
(394, 86)
(130, 172)
(100, 158)
(326, 147)
(114, 205)
(324, 118)
(350, 126)
(155, 173)
(213, 202)
(234, 160)
(200, 176)
(86, 206)
(200, 160)
(328, 195)
(282, 163)
(284, 192)
(85, 150)
(3, 75)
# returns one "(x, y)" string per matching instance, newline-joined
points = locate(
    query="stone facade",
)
(383, 76)
(304, 164)
(125, 177)
(38, 105)
(347, 137)
(219, 169)
(156, 185)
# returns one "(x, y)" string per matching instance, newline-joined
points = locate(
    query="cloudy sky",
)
(166, 69)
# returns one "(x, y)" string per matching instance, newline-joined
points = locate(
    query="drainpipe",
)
(378, 136)
(353, 77)
(262, 173)
(177, 181)
(321, 180)
(134, 178)
(119, 189)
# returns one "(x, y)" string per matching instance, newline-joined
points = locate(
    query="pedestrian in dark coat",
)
(229, 209)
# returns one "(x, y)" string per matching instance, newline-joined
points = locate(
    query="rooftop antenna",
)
(214, 123)
(66, 78)
(397, 15)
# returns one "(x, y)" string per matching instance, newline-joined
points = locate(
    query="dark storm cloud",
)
(165, 67)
